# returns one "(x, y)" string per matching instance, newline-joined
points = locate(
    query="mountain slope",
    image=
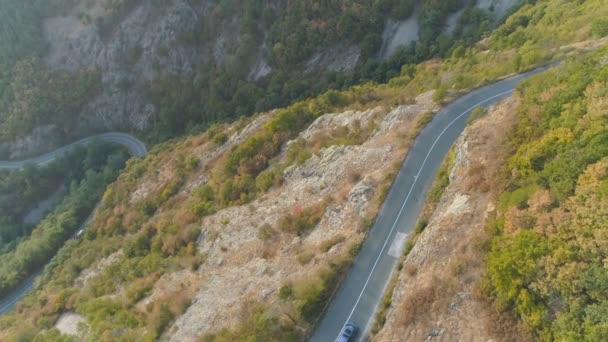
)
(546, 262)
(161, 68)
(141, 268)
(525, 205)
(292, 237)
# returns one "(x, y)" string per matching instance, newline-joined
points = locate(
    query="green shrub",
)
(599, 27)
(265, 180)
(266, 232)
(305, 257)
(442, 179)
(420, 225)
(301, 221)
(286, 292)
(440, 94)
(476, 114)
(259, 325)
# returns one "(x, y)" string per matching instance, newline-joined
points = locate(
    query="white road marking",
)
(407, 198)
(397, 246)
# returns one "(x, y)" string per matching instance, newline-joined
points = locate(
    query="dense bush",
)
(88, 171)
(22, 190)
(545, 265)
(301, 220)
(37, 96)
(599, 27)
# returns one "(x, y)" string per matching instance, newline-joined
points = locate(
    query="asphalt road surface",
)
(136, 149)
(364, 285)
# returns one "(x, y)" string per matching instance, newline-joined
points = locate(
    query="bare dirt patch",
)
(72, 324)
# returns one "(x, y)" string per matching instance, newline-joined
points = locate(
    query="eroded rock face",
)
(147, 43)
(144, 43)
(241, 268)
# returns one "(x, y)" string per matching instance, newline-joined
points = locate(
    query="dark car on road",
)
(347, 333)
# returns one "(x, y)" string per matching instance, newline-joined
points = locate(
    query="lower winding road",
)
(136, 148)
(361, 292)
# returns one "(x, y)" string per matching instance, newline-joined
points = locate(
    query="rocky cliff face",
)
(150, 41)
(189, 40)
(146, 43)
(249, 253)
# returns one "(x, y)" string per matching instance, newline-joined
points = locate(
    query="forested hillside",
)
(31, 94)
(547, 262)
(241, 231)
(26, 246)
(215, 61)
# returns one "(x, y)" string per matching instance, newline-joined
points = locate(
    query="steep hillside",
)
(243, 231)
(547, 262)
(436, 293)
(174, 238)
(68, 189)
(526, 193)
(163, 68)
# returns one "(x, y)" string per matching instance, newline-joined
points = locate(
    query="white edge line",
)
(405, 202)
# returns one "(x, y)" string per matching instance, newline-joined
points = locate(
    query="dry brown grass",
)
(411, 270)
(418, 303)
(305, 257)
(269, 251)
(506, 326)
(342, 192)
(326, 245)
(477, 178)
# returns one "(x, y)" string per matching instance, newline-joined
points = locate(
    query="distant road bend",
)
(361, 292)
(136, 149)
(135, 146)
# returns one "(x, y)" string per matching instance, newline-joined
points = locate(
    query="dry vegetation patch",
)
(287, 248)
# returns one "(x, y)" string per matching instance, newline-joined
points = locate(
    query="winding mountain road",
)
(361, 292)
(136, 149)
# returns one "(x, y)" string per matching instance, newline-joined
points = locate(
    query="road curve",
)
(136, 149)
(135, 146)
(364, 285)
